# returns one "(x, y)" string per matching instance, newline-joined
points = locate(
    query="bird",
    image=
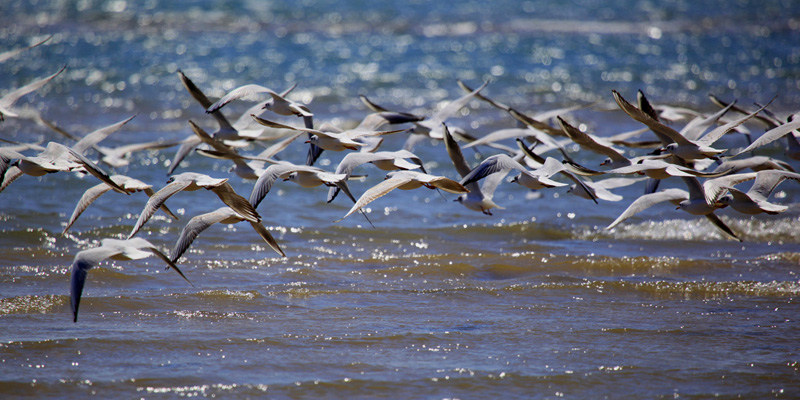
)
(246, 167)
(55, 158)
(755, 201)
(329, 140)
(115, 249)
(480, 197)
(601, 189)
(277, 104)
(304, 175)
(9, 99)
(224, 215)
(755, 163)
(700, 200)
(384, 160)
(191, 181)
(678, 144)
(93, 193)
(431, 126)
(227, 131)
(405, 180)
(614, 157)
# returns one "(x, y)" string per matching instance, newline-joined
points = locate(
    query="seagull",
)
(278, 104)
(227, 131)
(304, 175)
(327, 140)
(615, 158)
(247, 167)
(131, 249)
(405, 180)
(694, 202)
(55, 158)
(224, 215)
(385, 160)
(531, 179)
(601, 189)
(432, 126)
(191, 181)
(479, 198)
(7, 100)
(755, 201)
(129, 184)
(679, 145)
(755, 163)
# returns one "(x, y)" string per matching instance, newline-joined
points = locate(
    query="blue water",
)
(535, 301)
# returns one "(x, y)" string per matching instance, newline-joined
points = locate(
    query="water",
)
(536, 301)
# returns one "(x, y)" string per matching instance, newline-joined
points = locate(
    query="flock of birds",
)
(710, 174)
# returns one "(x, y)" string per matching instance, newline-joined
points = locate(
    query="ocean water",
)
(436, 301)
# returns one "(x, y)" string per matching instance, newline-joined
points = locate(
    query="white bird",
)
(479, 198)
(278, 104)
(755, 163)
(8, 100)
(55, 158)
(681, 146)
(304, 175)
(693, 202)
(224, 215)
(328, 140)
(405, 180)
(384, 160)
(431, 126)
(615, 158)
(241, 129)
(131, 249)
(247, 167)
(93, 193)
(532, 179)
(755, 201)
(602, 189)
(191, 181)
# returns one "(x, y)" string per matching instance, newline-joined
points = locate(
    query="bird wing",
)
(378, 191)
(665, 133)
(98, 135)
(264, 233)
(648, 200)
(195, 226)
(241, 92)
(201, 98)
(235, 201)
(722, 226)
(10, 98)
(88, 197)
(453, 107)
(720, 131)
(455, 154)
(771, 136)
(588, 143)
(713, 189)
(155, 201)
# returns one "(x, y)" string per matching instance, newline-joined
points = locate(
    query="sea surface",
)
(436, 301)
